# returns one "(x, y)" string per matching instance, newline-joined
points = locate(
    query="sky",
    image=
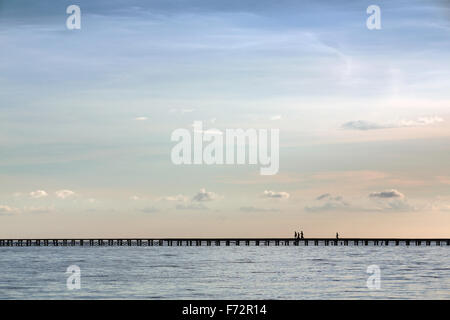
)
(86, 118)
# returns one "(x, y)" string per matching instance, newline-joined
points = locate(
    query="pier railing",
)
(170, 242)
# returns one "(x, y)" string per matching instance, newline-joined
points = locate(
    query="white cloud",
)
(63, 194)
(38, 194)
(276, 194)
(135, 198)
(141, 118)
(391, 200)
(387, 194)
(204, 195)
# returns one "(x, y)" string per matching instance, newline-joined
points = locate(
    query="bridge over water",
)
(151, 242)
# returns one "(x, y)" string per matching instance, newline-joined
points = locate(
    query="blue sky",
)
(360, 112)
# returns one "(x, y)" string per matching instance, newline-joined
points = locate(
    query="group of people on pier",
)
(299, 235)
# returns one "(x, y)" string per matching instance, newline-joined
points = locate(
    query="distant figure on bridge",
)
(301, 234)
(337, 235)
(295, 235)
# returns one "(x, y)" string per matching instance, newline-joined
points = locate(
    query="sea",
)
(361, 272)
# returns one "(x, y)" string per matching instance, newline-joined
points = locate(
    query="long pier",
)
(169, 242)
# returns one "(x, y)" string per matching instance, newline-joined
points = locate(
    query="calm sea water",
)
(225, 272)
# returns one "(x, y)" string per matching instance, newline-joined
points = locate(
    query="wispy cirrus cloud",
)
(276, 117)
(7, 210)
(39, 210)
(191, 206)
(150, 210)
(328, 202)
(364, 125)
(258, 209)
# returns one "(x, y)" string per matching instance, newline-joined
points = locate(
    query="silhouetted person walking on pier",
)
(301, 234)
(337, 235)
(295, 235)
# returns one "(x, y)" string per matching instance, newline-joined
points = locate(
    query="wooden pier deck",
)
(149, 242)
